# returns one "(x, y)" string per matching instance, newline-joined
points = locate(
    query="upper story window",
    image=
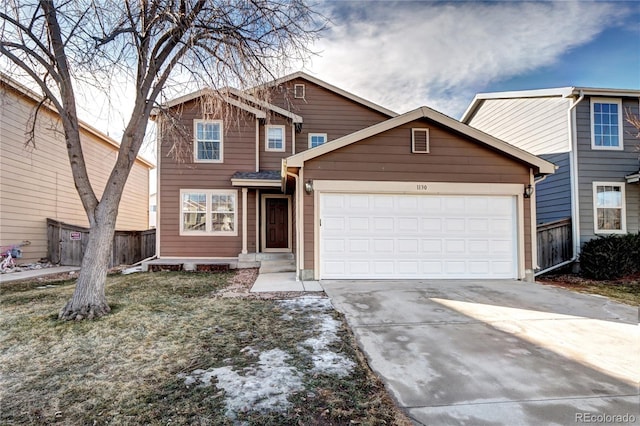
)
(207, 141)
(208, 212)
(609, 208)
(606, 124)
(317, 139)
(274, 138)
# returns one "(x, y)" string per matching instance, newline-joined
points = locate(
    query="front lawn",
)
(625, 290)
(173, 351)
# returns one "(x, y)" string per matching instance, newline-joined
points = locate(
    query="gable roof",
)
(36, 98)
(333, 89)
(223, 93)
(564, 92)
(543, 166)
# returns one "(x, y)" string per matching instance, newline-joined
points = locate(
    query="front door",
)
(276, 223)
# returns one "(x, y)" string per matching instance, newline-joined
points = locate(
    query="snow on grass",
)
(264, 387)
(324, 359)
(267, 385)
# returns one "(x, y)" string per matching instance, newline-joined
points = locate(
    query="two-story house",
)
(350, 189)
(584, 132)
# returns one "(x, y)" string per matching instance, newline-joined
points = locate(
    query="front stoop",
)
(276, 262)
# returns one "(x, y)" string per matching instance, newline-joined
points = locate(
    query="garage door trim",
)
(424, 188)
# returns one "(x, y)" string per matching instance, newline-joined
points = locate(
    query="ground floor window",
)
(609, 207)
(208, 212)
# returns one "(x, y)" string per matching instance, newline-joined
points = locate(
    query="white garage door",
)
(379, 236)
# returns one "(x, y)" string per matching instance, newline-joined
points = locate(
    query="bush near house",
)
(611, 257)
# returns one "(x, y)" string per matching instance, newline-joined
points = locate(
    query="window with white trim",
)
(208, 212)
(207, 147)
(274, 138)
(420, 141)
(609, 208)
(317, 139)
(606, 124)
(298, 91)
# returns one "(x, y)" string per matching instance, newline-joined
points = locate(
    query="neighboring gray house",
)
(583, 131)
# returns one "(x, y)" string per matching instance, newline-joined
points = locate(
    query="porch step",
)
(277, 265)
(257, 257)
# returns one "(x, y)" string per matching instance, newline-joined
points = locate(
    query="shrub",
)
(611, 257)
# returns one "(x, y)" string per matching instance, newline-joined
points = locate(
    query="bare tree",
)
(156, 43)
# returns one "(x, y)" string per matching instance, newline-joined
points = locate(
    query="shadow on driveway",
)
(496, 352)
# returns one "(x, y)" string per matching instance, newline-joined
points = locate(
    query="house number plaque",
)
(422, 187)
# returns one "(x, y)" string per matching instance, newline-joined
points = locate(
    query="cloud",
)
(406, 54)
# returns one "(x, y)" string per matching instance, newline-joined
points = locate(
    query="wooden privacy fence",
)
(66, 244)
(554, 243)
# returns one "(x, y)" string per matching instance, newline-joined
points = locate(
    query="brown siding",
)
(238, 155)
(37, 183)
(324, 111)
(388, 157)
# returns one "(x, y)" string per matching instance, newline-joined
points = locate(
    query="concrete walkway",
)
(283, 281)
(497, 352)
(35, 273)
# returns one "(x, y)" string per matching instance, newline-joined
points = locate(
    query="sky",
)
(406, 54)
(440, 54)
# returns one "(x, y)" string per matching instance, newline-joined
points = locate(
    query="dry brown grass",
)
(625, 290)
(123, 368)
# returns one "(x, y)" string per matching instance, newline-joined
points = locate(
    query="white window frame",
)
(208, 231)
(266, 137)
(623, 208)
(296, 93)
(618, 102)
(413, 140)
(312, 135)
(195, 141)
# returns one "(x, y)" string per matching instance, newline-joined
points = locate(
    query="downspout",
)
(573, 166)
(295, 177)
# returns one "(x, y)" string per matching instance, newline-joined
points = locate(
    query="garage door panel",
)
(418, 236)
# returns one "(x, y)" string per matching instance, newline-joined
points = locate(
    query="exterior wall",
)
(553, 195)
(607, 166)
(537, 125)
(324, 111)
(181, 172)
(388, 157)
(36, 183)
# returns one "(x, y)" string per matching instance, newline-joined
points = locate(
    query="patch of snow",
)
(324, 359)
(265, 387)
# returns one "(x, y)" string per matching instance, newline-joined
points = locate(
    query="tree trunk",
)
(89, 300)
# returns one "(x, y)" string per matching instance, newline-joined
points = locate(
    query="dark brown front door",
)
(277, 223)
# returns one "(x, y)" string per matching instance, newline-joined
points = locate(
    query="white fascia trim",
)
(250, 109)
(294, 117)
(334, 89)
(256, 183)
(430, 188)
(565, 92)
(537, 93)
(545, 167)
(208, 91)
(634, 178)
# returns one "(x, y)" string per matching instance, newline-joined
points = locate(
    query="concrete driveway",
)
(497, 352)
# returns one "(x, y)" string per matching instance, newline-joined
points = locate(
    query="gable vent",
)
(298, 91)
(420, 141)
